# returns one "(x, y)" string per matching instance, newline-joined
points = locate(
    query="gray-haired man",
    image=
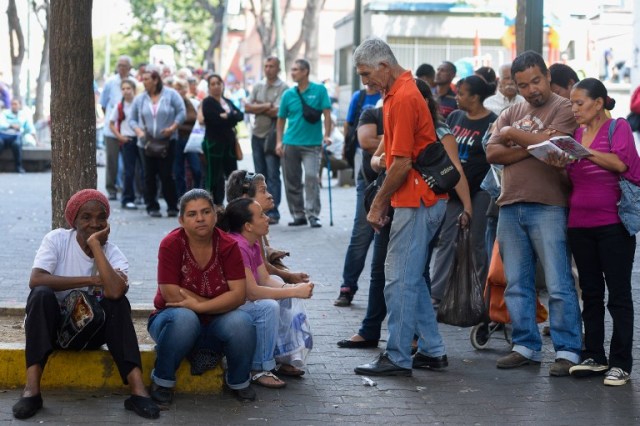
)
(418, 211)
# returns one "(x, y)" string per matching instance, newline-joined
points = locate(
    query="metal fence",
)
(413, 52)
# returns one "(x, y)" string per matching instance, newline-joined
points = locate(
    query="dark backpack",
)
(351, 140)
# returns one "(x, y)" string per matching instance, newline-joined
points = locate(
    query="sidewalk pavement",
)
(470, 391)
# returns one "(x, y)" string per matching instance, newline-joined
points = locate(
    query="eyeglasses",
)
(247, 182)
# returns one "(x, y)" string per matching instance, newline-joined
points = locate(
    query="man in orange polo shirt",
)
(418, 212)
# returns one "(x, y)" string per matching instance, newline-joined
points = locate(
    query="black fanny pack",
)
(310, 114)
(436, 168)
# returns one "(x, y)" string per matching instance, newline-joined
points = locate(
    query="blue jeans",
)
(179, 170)
(376, 307)
(269, 166)
(132, 160)
(265, 316)
(178, 331)
(527, 231)
(406, 293)
(361, 237)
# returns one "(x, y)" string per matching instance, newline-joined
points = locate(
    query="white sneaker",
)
(616, 377)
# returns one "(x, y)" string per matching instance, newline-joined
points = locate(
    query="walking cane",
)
(326, 156)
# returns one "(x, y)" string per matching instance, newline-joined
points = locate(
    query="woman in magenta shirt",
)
(248, 223)
(601, 246)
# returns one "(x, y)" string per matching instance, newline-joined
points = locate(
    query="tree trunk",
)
(73, 119)
(264, 25)
(16, 47)
(309, 23)
(217, 15)
(43, 74)
(311, 37)
(520, 25)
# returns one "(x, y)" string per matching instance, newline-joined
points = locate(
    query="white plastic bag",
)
(294, 334)
(194, 144)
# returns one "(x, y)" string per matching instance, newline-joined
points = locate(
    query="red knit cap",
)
(79, 199)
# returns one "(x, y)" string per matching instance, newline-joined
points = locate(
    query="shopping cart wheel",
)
(480, 335)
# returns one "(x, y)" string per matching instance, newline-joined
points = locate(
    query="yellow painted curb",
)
(96, 370)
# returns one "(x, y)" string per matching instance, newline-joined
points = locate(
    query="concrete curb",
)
(94, 369)
(138, 310)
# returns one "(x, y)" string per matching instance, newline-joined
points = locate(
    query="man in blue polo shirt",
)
(301, 145)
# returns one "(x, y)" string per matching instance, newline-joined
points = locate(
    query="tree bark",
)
(43, 9)
(308, 28)
(311, 37)
(73, 120)
(217, 15)
(16, 47)
(264, 25)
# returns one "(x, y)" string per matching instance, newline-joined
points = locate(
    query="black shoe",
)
(113, 197)
(161, 394)
(315, 222)
(588, 367)
(172, 213)
(143, 406)
(245, 394)
(274, 220)
(352, 344)
(298, 222)
(433, 363)
(382, 366)
(27, 406)
(154, 213)
(345, 297)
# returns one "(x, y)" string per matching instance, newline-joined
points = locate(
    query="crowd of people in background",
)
(222, 289)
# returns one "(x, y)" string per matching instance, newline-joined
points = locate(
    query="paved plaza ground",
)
(470, 391)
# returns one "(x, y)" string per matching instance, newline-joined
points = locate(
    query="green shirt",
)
(299, 131)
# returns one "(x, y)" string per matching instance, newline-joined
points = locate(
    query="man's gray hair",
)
(372, 52)
(127, 59)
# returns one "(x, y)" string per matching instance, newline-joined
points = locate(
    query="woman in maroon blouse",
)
(201, 282)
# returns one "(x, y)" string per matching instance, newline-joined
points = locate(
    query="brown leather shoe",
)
(514, 360)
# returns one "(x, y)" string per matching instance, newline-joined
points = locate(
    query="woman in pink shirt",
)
(601, 246)
(247, 223)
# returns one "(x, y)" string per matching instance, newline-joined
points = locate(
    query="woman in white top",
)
(81, 258)
(119, 125)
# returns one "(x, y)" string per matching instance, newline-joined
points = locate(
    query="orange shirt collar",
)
(402, 78)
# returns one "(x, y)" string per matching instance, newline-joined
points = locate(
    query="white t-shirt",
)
(60, 254)
(125, 127)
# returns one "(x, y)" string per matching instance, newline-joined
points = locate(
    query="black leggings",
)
(604, 254)
(44, 318)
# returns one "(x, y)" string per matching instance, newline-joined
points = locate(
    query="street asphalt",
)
(471, 391)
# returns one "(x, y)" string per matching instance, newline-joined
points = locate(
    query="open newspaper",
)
(558, 144)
